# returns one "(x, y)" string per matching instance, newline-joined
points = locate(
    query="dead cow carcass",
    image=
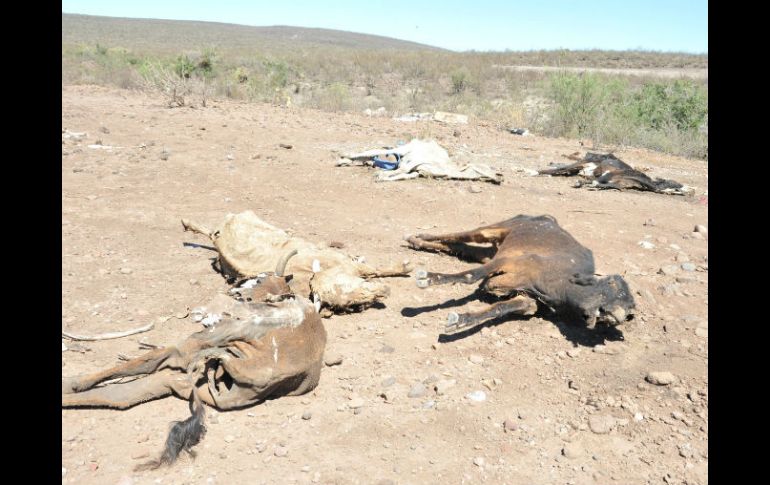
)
(606, 171)
(530, 259)
(275, 350)
(249, 246)
(421, 157)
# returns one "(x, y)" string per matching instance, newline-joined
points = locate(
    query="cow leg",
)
(572, 169)
(123, 396)
(520, 305)
(366, 271)
(426, 279)
(456, 243)
(494, 233)
(145, 364)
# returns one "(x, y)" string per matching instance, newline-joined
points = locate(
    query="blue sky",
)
(662, 25)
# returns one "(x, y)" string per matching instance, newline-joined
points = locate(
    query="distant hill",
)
(175, 35)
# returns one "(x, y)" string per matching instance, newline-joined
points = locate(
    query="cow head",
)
(607, 300)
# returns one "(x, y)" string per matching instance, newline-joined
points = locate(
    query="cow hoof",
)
(421, 274)
(423, 283)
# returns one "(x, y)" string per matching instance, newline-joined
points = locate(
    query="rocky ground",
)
(535, 401)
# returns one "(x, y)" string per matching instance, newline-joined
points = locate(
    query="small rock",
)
(603, 349)
(281, 451)
(701, 229)
(702, 332)
(686, 451)
(429, 404)
(388, 382)
(660, 378)
(646, 245)
(668, 270)
(476, 359)
(478, 461)
(688, 266)
(510, 341)
(601, 424)
(682, 258)
(477, 396)
(474, 189)
(126, 270)
(63, 471)
(572, 450)
(106, 131)
(387, 349)
(638, 416)
(574, 352)
(63, 347)
(418, 390)
(332, 358)
(229, 438)
(389, 395)
(286, 146)
(649, 222)
(305, 469)
(510, 425)
(697, 235)
(356, 403)
(443, 385)
(307, 415)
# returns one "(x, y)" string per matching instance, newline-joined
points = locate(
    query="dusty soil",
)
(124, 265)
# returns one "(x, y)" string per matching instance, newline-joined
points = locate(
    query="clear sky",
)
(661, 25)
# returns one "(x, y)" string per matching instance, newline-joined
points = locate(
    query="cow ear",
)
(583, 279)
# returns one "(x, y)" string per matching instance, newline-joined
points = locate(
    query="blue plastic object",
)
(387, 164)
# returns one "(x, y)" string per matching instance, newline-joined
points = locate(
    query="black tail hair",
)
(182, 436)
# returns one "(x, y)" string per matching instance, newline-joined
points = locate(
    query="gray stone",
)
(688, 266)
(417, 390)
(281, 451)
(601, 423)
(661, 378)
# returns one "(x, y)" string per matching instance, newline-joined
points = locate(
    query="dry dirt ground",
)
(577, 412)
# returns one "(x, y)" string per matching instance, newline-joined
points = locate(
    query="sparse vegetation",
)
(331, 72)
(662, 115)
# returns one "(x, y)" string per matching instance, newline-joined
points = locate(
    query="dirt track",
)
(124, 264)
(673, 73)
